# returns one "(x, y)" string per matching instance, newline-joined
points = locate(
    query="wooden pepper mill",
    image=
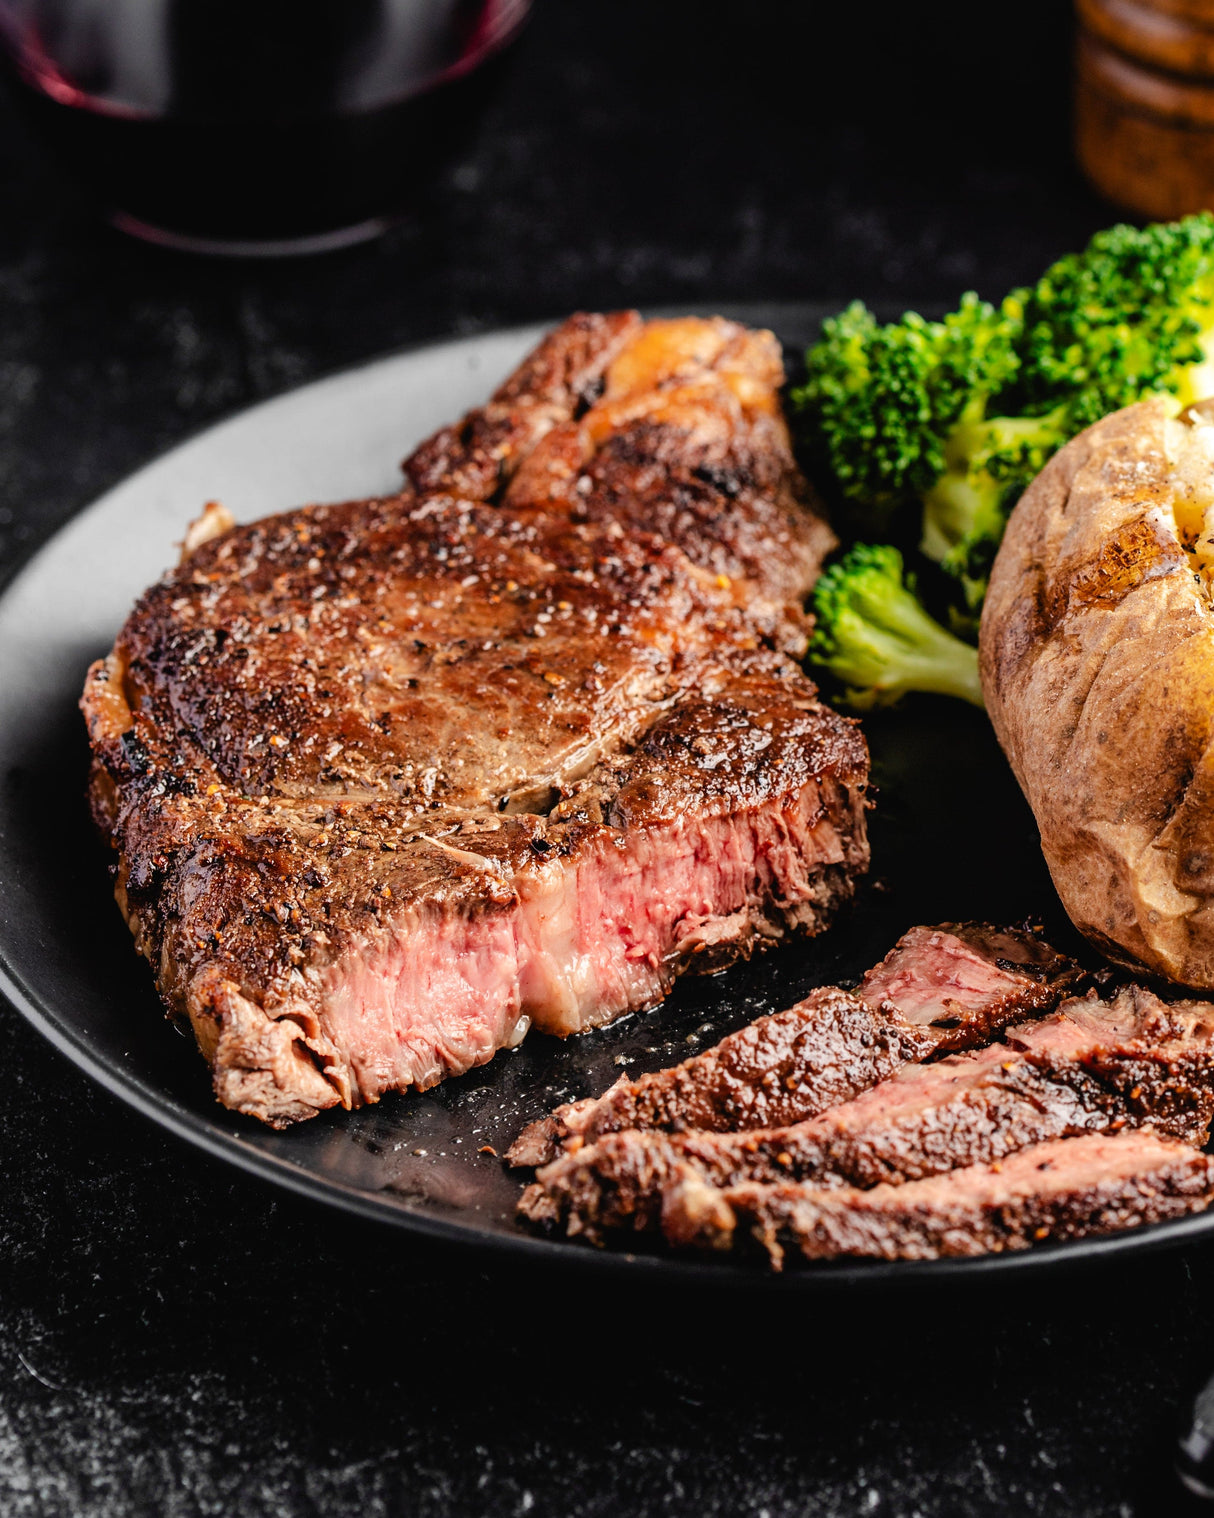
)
(1144, 103)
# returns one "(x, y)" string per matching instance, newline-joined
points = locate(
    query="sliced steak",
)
(777, 1070)
(968, 980)
(1065, 1189)
(955, 984)
(389, 781)
(1091, 1067)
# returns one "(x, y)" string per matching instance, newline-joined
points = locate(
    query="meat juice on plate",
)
(255, 125)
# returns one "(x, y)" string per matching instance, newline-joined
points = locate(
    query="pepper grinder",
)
(1144, 103)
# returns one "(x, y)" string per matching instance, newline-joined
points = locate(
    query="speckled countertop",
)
(176, 1339)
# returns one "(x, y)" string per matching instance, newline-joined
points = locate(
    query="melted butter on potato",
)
(1189, 441)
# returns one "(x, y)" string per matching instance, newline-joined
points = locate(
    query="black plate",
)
(951, 838)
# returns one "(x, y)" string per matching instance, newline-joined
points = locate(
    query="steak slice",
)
(968, 979)
(776, 1070)
(392, 780)
(1068, 1188)
(952, 984)
(1091, 1067)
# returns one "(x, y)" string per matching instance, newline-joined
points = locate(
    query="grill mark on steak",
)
(1091, 1067)
(973, 976)
(391, 779)
(1066, 1189)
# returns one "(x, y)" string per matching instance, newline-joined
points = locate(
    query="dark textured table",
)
(176, 1339)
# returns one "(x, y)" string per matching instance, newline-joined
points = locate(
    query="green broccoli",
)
(961, 414)
(988, 464)
(1131, 315)
(872, 633)
(882, 400)
(898, 414)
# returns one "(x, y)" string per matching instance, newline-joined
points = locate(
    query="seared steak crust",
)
(1065, 1189)
(389, 780)
(668, 428)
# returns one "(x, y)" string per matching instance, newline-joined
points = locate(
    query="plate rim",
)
(202, 1133)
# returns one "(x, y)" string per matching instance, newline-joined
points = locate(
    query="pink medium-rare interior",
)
(921, 978)
(432, 996)
(601, 937)
(587, 938)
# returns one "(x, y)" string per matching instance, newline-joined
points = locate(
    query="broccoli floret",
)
(1132, 315)
(873, 634)
(880, 399)
(898, 413)
(962, 414)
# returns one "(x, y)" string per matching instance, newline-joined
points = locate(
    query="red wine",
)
(259, 124)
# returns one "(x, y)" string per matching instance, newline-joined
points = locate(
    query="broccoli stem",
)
(967, 505)
(962, 505)
(874, 635)
(912, 653)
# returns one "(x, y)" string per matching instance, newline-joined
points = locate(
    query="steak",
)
(778, 1069)
(1092, 1067)
(939, 988)
(969, 979)
(393, 780)
(1065, 1189)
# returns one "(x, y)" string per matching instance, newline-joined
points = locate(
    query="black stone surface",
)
(177, 1340)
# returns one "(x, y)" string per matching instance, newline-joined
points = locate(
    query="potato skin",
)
(1097, 662)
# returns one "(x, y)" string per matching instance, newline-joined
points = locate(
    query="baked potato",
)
(1097, 663)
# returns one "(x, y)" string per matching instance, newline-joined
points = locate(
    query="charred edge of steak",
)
(957, 983)
(1095, 1071)
(1066, 1189)
(555, 384)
